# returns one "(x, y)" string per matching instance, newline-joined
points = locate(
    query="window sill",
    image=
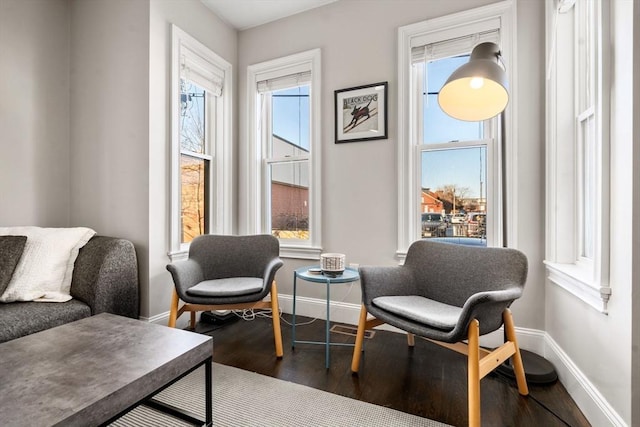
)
(299, 252)
(179, 255)
(577, 281)
(286, 251)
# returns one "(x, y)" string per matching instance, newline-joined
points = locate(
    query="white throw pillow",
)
(45, 269)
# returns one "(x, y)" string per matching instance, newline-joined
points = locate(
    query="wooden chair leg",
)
(473, 381)
(357, 349)
(518, 367)
(173, 311)
(275, 316)
(192, 325)
(411, 339)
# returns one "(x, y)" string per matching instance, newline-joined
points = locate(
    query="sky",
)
(291, 115)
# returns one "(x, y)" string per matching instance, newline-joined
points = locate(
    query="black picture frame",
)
(361, 113)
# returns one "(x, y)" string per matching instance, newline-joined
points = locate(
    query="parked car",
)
(475, 216)
(477, 224)
(433, 225)
(458, 218)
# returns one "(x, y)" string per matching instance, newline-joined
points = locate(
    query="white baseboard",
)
(317, 308)
(588, 398)
(163, 319)
(590, 401)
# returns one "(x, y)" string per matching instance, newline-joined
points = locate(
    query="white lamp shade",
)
(478, 89)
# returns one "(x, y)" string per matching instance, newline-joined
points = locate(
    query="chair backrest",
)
(233, 256)
(451, 273)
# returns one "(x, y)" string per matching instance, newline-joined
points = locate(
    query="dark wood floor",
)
(428, 380)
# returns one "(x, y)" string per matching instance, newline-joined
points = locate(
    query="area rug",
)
(246, 399)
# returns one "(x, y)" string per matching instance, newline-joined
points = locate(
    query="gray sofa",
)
(105, 279)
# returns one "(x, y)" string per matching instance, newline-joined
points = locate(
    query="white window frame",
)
(499, 16)
(186, 49)
(577, 167)
(255, 201)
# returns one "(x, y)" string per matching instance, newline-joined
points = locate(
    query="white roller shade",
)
(452, 47)
(284, 82)
(197, 69)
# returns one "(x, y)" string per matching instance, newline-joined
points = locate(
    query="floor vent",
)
(351, 330)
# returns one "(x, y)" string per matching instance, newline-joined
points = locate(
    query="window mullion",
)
(457, 144)
(288, 159)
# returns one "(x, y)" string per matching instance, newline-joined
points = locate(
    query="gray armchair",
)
(447, 294)
(228, 273)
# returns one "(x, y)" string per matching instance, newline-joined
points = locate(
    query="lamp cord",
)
(535, 399)
(549, 410)
(503, 166)
(250, 314)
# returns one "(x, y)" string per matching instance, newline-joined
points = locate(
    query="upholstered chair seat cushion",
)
(422, 310)
(232, 286)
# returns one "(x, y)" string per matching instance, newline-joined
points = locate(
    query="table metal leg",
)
(185, 415)
(328, 342)
(293, 316)
(328, 280)
(208, 394)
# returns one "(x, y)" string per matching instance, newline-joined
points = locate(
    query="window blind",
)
(284, 82)
(452, 47)
(200, 71)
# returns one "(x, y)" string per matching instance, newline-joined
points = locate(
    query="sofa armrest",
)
(105, 276)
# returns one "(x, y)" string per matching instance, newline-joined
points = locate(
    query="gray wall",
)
(34, 113)
(85, 119)
(120, 106)
(110, 122)
(359, 200)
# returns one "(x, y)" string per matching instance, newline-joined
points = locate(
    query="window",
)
(578, 151)
(453, 157)
(195, 160)
(283, 197)
(287, 162)
(201, 146)
(448, 166)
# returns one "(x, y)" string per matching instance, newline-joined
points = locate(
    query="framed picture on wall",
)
(361, 113)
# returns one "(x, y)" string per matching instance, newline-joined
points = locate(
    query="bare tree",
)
(454, 194)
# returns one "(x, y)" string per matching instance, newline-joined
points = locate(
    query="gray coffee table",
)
(92, 371)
